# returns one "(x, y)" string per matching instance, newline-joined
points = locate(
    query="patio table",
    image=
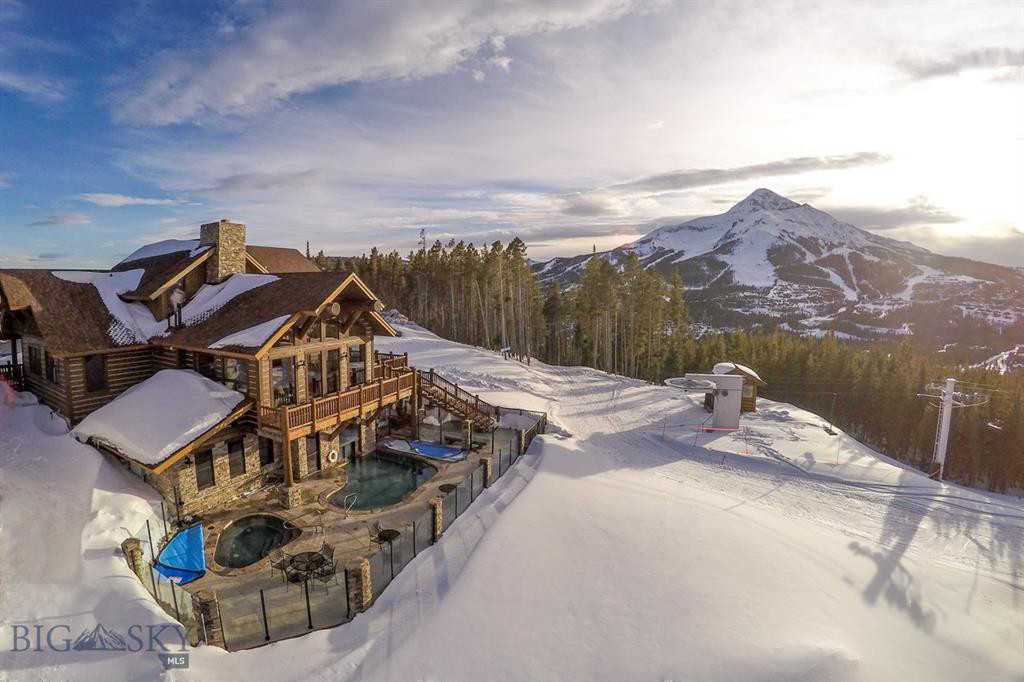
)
(304, 564)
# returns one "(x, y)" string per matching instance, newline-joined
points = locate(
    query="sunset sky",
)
(571, 125)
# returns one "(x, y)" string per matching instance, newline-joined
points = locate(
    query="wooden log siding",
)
(124, 370)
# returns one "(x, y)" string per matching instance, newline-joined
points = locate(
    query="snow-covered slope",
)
(1008, 361)
(769, 257)
(622, 546)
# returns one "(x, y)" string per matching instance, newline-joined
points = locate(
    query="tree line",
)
(630, 320)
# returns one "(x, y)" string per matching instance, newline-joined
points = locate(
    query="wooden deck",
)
(395, 382)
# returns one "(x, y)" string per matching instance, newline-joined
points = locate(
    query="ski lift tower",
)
(949, 399)
(727, 389)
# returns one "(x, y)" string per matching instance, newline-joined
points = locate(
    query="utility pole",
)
(942, 429)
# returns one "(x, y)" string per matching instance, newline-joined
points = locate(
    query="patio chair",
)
(279, 561)
(374, 530)
(328, 551)
(326, 573)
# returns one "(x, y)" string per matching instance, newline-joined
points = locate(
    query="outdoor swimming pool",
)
(380, 480)
(251, 538)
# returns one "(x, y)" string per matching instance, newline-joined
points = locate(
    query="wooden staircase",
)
(439, 390)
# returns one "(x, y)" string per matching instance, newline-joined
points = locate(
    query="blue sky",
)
(572, 125)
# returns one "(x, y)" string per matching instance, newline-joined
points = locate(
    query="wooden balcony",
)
(393, 384)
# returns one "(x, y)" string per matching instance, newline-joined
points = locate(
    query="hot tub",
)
(251, 538)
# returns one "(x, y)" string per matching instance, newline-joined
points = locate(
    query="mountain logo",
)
(100, 639)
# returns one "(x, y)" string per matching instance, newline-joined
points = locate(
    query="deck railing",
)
(367, 396)
(462, 400)
(12, 375)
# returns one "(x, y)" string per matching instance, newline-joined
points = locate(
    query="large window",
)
(206, 365)
(314, 375)
(236, 457)
(287, 339)
(53, 368)
(266, 451)
(95, 372)
(314, 332)
(332, 330)
(236, 374)
(34, 365)
(204, 469)
(282, 381)
(355, 353)
(333, 371)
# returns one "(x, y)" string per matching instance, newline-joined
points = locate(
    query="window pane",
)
(282, 378)
(314, 382)
(236, 458)
(332, 330)
(33, 360)
(95, 372)
(314, 332)
(236, 374)
(333, 371)
(355, 353)
(206, 365)
(204, 469)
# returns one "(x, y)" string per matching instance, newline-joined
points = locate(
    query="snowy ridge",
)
(768, 258)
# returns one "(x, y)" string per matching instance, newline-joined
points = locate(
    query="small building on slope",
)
(751, 381)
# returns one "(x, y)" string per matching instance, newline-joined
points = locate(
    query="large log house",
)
(294, 342)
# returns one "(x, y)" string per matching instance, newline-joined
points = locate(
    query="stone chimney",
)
(228, 242)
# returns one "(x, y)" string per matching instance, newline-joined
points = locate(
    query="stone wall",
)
(225, 488)
(228, 240)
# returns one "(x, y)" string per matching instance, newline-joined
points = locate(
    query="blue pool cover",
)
(429, 450)
(183, 558)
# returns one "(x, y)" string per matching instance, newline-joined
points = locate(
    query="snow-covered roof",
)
(164, 247)
(134, 323)
(252, 337)
(158, 417)
(729, 367)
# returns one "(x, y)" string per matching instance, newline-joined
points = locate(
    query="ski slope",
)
(622, 546)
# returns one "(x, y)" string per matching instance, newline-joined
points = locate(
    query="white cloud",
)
(588, 127)
(116, 200)
(61, 219)
(288, 49)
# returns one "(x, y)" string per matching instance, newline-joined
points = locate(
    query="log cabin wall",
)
(124, 369)
(53, 395)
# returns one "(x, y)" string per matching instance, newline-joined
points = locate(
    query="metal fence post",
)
(266, 627)
(163, 515)
(152, 548)
(174, 598)
(309, 611)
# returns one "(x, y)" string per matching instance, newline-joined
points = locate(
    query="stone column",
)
(207, 613)
(291, 496)
(132, 549)
(488, 468)
(522, 441)
(367, 434)
(437, 504)
(467, 433)
(358, 584)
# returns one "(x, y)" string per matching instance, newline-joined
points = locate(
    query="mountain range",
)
(777, 264)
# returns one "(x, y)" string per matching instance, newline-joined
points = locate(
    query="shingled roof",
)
(276, 260)
(71, 316)
(159, 270)
(292, 293)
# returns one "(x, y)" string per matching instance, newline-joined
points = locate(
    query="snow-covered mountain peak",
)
(762, 198)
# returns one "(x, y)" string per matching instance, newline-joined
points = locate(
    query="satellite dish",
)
(335, 309)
